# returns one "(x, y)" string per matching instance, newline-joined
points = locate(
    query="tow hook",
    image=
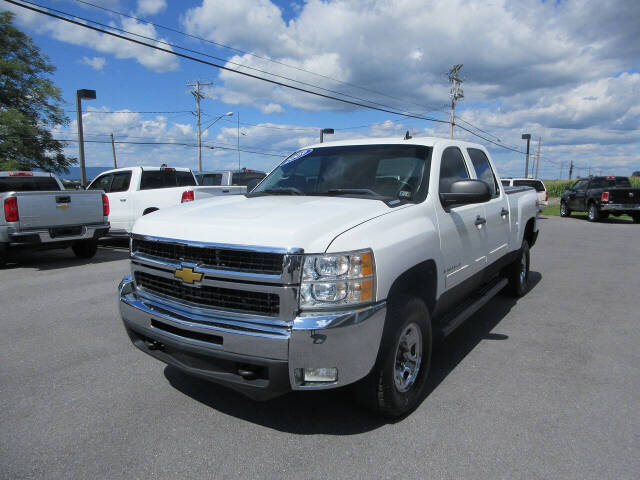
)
(154, 345)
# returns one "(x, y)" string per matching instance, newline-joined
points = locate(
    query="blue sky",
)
(566, 72)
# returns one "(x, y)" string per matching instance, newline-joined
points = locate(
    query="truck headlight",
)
(337, 279)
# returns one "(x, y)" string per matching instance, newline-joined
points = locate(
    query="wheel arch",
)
(149, 210)
(529, 235)
(420, 281)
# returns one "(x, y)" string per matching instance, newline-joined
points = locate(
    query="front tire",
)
(564, 210)
(85, 248)
(593, 215)
(518, 272)
(397, 381)
(636, 217)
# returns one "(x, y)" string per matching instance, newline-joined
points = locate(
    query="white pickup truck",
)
(137, 191)
(39, 213)
(243, 177)
(340, 268)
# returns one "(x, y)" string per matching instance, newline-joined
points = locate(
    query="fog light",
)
(320, 374)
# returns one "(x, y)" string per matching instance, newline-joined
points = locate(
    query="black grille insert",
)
(216, 297)
(224, 259)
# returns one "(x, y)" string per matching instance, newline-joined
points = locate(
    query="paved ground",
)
(545, 387)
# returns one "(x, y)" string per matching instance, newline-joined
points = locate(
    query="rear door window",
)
(103, 182)
(28, 184)
(505, 183)
(537, 184)
(121, 182)
(452, 168)
(483, 170)
(211, 179)
(244, 178)
(152, 179)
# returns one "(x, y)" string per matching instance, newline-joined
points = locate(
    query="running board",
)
(478, 302)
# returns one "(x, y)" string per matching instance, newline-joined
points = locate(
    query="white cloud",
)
(152, 59)
(97, 63)
(151, 7)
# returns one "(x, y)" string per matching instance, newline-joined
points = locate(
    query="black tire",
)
(636, 217)
(379, 391)
(518, 272)
(593, 215)
(565, 211)
(3, 255)
(85, 248)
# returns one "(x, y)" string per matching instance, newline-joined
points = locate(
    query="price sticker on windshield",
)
(297, 155)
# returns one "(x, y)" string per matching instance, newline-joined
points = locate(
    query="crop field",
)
(557, 187)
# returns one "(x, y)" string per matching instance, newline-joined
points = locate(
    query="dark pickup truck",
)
(601, 196)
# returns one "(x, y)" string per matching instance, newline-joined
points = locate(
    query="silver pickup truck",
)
(39, 213)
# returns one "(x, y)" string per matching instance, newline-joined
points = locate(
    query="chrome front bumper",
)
(347, 340)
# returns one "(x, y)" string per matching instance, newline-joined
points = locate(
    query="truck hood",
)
(310, 223)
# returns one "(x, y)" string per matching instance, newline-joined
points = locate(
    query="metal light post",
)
(228, 114)
(328, 131)
(527, 137)
(87, 95)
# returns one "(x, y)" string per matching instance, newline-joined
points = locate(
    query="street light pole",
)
(527, 137)
(238, 143)
(87, 95)
(328, 131)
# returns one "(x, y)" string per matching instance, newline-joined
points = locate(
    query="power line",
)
(131, 111)
(174, 45)
(244, 52)
(257, 77)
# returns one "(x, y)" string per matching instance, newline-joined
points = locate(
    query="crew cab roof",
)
(18, 173)
(422, 141)
(146, 169)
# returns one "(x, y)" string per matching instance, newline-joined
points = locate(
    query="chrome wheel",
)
(408, 357)
(563, 209)
(592, 213)
(523, 268)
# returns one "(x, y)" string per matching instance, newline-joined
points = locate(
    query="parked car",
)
(340, 268)
(543, 195)
(244, 177)
(39, 213)
(137, 191)
(601, 197)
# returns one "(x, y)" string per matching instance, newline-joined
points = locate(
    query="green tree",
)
(30, 104)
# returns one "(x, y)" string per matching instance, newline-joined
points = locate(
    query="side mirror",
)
(465, 192)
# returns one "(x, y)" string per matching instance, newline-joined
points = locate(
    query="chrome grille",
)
(221, 258)
(263, 303)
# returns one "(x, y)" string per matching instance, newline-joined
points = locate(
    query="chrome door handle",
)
(504, 212)
(480, 221)
(123, 199)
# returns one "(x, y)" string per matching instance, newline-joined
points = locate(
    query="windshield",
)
(382, 172)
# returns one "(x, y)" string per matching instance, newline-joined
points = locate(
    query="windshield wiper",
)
(351, 191)
(283, 191)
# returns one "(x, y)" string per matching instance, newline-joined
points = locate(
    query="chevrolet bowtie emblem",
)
(187, 275)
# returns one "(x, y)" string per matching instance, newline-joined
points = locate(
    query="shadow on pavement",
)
(334, 412)
(52, 259)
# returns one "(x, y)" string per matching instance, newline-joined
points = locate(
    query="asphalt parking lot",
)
(544, 387)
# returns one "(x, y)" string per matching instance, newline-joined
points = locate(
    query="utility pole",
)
(571, 170)
(87, 95)
(561, 168)
(589, 174)
(238, 141)
(456, 93)
(527, 137)
(113, 149)
(196, 93)
(538, 157)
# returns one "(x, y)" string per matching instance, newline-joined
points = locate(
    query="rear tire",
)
(396, 384)
(636, 217)
(85, 248)
(518, 272)
(593, 215)
(565, 211)
(3, 255)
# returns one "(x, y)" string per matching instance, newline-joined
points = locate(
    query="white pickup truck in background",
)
(340, 268)
(137, 191)
(244, 177)
(39, 213)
